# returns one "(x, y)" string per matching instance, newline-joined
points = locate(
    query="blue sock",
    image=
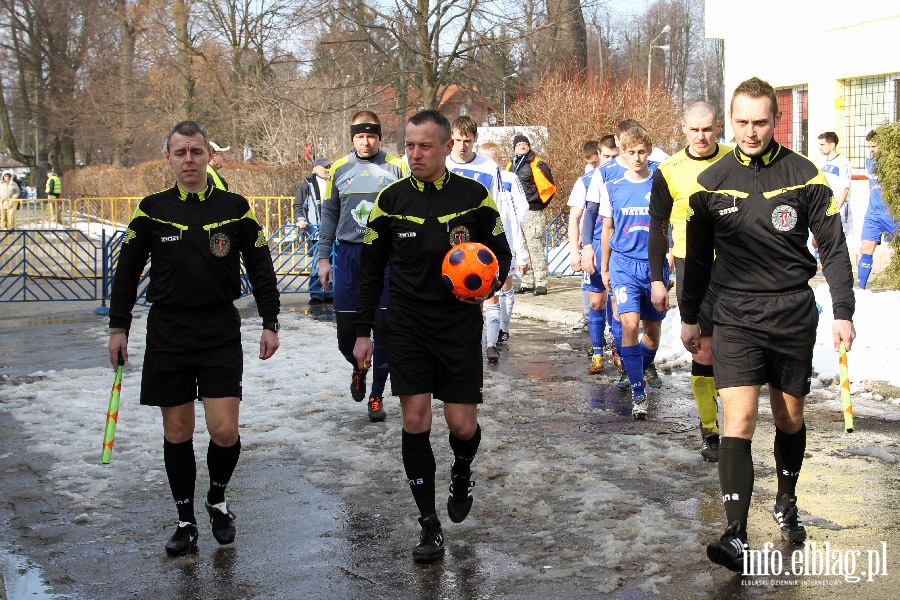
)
(379, 367)
(634, 367)
(863, 270)
(596, 327)
(616, 328)
(648, 354)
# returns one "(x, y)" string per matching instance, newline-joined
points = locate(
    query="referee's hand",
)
(843, 331)
(268, 344)
(690, 337)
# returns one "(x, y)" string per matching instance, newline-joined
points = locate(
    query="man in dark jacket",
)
(537, 180)
(307, 212)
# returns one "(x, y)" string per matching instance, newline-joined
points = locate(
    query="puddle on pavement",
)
(21, 579)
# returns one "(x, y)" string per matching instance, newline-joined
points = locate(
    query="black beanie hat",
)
(520, 138)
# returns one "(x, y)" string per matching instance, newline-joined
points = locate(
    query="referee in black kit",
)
(755, 208)
(195, 235)
(434, 338)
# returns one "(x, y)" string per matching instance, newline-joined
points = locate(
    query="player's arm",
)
(825, 224)
(698, 259)
(261, 274)
(328, 222)
(136, 247)
(606, 251)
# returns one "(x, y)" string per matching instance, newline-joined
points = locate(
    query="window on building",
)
(868, 103)
(793, 128)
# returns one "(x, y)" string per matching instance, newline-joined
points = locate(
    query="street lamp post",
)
(664, 48)
(504, 96)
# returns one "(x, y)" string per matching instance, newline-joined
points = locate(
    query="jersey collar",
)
(765, 159)
(715, 152)
(189, 196)
(438, 184)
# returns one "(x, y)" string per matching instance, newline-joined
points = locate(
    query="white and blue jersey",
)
(481, 169)
(627, 203)
(875, 201)
(878, 221)
(610, 171)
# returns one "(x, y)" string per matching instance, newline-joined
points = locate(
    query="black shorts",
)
(765, 338)
(704, 317)
(436, 351)
(192, 354)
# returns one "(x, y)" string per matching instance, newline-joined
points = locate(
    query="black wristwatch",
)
(273, 326)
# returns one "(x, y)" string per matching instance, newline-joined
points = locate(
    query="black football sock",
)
(221, 463)
(736, 478)
(789, 450)
(181, 469)
(418, 460)
(464, 451)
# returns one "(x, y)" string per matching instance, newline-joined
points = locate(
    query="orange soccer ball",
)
(469, 270)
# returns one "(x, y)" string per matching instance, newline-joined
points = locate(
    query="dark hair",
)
(365, 116)
(590, 148)
(756, 88)
(433, 116)
(830, 137)
(465, 125)
(870, 136)
(188, 129)
(625, 125)
(607, 141)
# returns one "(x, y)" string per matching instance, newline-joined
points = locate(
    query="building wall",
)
(815, 45)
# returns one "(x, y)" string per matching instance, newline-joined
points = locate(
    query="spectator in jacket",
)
(537, 180)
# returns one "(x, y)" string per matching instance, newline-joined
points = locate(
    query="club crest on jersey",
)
(784, 217)
(459, 235)
(219, 245)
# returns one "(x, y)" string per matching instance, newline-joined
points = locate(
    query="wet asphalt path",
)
(303, 540)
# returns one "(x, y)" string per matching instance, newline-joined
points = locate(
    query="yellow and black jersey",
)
(413, 224)
(755, 214)
(673, 181)
(195, 243)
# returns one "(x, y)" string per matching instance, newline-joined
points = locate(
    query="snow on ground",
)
(582, 514)
(873, 356)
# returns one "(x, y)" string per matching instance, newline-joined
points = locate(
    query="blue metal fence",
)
(67, 264)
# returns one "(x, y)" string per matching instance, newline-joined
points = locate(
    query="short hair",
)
(635, 136)
(590, 148)
(700, 108)
(607, 141)
(188, 129)
(490, 147)
(465, 125)
(756, 88)
(625, 125)
(365, 116)
(870, 136)
(433, 116)
(829, 136)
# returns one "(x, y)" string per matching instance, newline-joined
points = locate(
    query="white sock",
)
(492, 320)
(507, 301)
(585, 302)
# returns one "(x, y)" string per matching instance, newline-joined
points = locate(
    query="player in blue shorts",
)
(592, 233)
(596, 317)
(877, 222)
(624, 268)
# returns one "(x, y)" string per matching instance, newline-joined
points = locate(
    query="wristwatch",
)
(273, 326)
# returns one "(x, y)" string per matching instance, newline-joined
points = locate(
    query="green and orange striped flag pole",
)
(112, 415)
(846, 401)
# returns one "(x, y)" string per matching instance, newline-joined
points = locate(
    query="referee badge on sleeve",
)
(219, 245)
